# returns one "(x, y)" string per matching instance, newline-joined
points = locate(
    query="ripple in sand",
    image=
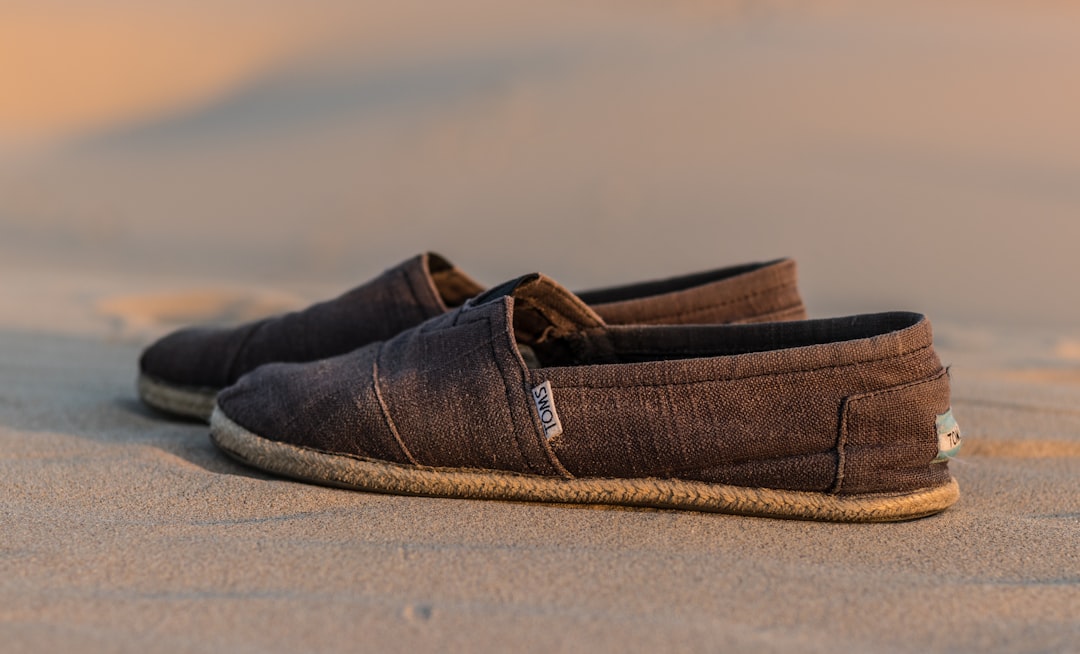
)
(1014, 449)
(1046, 375)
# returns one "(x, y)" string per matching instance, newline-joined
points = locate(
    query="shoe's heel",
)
(897, 440)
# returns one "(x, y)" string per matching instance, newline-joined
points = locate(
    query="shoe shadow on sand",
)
(194, 448)
(63, 388)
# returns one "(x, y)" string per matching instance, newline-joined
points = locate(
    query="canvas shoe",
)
(526, 393)
(181, 373)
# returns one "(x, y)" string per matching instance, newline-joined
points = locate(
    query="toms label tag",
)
(545, 408)
(948, 436)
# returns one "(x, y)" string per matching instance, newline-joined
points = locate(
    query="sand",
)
(920, 157)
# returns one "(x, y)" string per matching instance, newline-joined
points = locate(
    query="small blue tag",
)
(948, 436)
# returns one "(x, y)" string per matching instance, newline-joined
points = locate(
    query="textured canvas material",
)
(845, 406)
(427, 286)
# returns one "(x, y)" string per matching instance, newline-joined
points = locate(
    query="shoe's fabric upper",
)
(399, 298)
(844, 405)
(428, 285)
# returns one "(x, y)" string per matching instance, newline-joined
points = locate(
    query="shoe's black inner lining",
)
(635, 343)
(649, 289)
(453, 286)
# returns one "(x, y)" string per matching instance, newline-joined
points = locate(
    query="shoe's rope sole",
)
(381, 476)
(184, 401)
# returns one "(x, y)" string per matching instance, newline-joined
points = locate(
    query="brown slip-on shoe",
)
(181, 373)
(526, 393)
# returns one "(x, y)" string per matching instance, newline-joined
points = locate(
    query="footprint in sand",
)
(1065, 375)
(1068, 350)
(155, 313)
(1061, 366)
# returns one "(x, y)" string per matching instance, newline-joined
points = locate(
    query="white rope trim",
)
(382, 476)
(179, 400)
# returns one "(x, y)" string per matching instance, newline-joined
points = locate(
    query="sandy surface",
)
(127, 532)
(922, 156)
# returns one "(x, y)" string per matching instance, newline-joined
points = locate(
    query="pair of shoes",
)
(527, 391)
(183, 373)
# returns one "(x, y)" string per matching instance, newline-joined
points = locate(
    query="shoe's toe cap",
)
(328, 405)
(196, 357)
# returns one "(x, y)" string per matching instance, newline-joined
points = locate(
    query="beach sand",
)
(921, 157)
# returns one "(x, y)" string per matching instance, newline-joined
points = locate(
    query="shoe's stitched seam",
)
(724, 464)
(408, 284)
(671, 410)
(708, 307)
(846, 407)
(698, 353)
(896, 389)
(841, 448)
(424, 313)
(538, 430)
(430, 289)
(778, 315)
(738, 378)
(416, 296)
(728, 301)
(386, 411)
(240, 348)
(506, 393)
(555, 463)
(666, 318)
(691, 353)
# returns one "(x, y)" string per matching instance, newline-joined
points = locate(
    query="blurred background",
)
(916, 155)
